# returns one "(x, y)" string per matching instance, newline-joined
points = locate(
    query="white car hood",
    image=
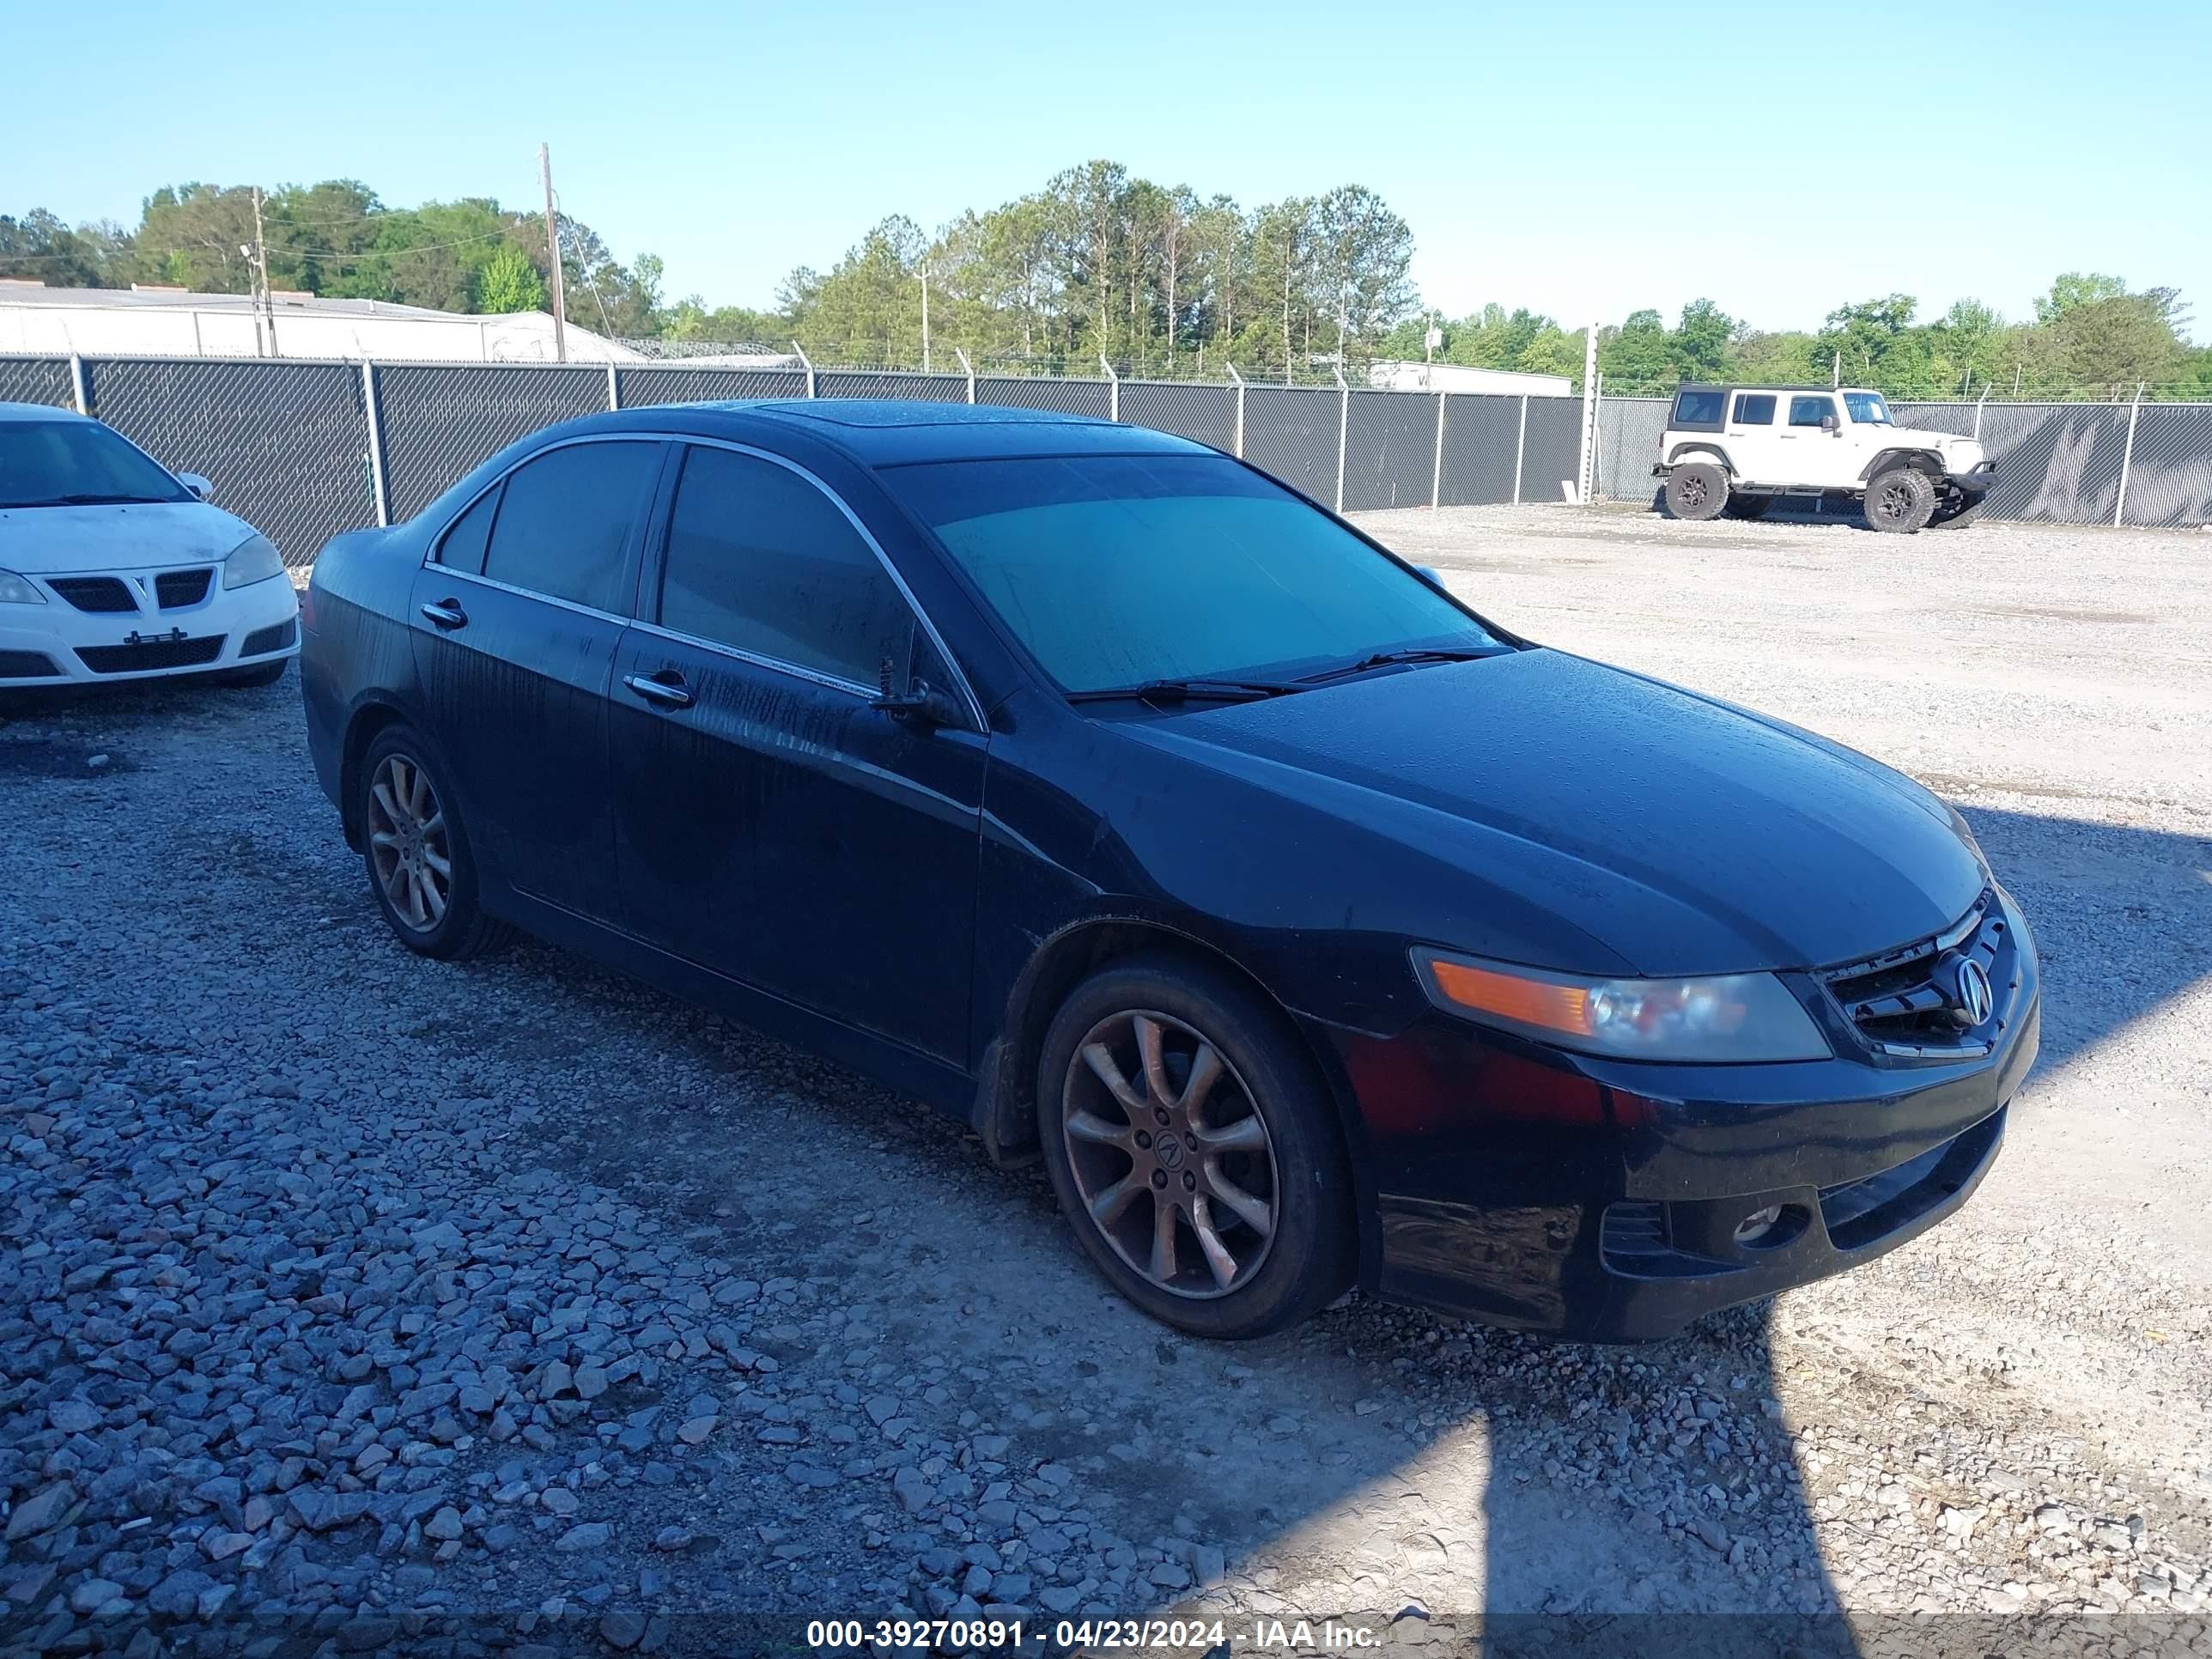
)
(47, 541)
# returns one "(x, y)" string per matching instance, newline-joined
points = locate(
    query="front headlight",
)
(13, 590)
(1726, 1018)
(253, 559)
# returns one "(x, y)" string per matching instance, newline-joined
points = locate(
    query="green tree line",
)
(1160, 280)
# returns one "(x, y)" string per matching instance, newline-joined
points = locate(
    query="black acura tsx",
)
(1136, 812)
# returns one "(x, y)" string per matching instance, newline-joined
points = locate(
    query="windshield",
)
(1867, 409)
(72, 463)
(1118, 570)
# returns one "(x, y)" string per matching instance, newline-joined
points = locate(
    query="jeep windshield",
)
(1867, 408)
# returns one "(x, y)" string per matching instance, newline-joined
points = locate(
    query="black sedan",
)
(1090, 785)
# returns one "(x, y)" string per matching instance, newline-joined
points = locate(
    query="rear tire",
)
(1696, 491)
(411, 826)
(1248, 1166)
(1899, 500)
(1749, 507)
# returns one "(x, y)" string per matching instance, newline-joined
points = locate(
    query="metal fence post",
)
(614, 388)
(1343, 430)
(809, 363)
(1436, 476)
(1519, 449)
(1977, 413)
(1587, 462)
(76, 384)
(377, 486)
(1239, 381)
(2127, 455)
(1113, 389)
(969, 369)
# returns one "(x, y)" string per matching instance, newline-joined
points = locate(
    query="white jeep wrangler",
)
(1738, 449)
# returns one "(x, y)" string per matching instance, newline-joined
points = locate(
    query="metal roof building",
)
(174, 322)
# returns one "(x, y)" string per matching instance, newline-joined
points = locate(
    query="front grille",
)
(175, 588)
(270, 639)
(1903, 1000)
(148, 655)
(27, 665)
(100, 594)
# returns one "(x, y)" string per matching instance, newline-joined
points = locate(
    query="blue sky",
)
(1580, 159)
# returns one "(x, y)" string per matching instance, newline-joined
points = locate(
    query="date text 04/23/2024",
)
(1083, 1635)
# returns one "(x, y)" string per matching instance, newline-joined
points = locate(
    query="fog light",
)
(1756, 1225)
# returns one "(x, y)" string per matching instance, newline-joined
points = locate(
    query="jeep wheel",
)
(1749, 507)
(1900, 500)
(1958, 518)
(1697, 489)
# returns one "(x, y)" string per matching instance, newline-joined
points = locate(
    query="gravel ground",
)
(362, 1288)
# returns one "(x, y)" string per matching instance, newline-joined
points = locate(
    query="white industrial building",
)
(144, 321)
(1456, 377)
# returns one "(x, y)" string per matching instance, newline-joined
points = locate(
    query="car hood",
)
(1667, 831)
(47, 541)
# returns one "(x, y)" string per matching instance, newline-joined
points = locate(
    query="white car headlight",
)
(253, 559)
(13, 590)
(1725, 1018)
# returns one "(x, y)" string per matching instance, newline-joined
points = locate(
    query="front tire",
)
(1696, 491)
(1194, 1151)
(1900, 500)
(416, 851)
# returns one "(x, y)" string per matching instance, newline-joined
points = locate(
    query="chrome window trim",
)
(532, 593)
(753, 658)
(968, 698)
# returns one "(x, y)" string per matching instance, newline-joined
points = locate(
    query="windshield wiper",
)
(86, 498)
(1393, 658)
(1188, 690)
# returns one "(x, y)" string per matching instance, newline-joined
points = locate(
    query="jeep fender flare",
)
(1925, 460)
(1683, 451)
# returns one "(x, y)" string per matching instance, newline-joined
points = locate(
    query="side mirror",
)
(1828, 423)
(199, 486)
(919, 704)
(1430, 575)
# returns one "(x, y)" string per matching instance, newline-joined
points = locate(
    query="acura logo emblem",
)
(1969, 988)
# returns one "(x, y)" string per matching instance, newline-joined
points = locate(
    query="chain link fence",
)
(289, 443)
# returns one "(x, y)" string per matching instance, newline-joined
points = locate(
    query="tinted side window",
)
(565, 522)
(462, 549)
(760, 559)
(1699, 408)
(1755, 409)
(1809, 412)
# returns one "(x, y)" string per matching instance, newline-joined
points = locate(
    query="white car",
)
(114, 567)
(1738, 449)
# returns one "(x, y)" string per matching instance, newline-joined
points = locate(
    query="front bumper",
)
(1601, 1200)
(57, 644)
(1975, 481)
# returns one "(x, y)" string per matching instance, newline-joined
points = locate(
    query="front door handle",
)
(669, 692)
(447, 613)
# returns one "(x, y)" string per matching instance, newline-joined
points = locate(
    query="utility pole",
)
(262, 305)
(925, 319)
(553, 256)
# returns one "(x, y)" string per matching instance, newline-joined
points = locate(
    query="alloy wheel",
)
(408, 847)
(1171, 1159)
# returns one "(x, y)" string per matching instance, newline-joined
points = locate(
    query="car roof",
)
(1767, 385)
(891, 432)
(39, 412)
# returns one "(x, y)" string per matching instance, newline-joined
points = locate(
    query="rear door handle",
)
(447, 613)
(669, 693)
